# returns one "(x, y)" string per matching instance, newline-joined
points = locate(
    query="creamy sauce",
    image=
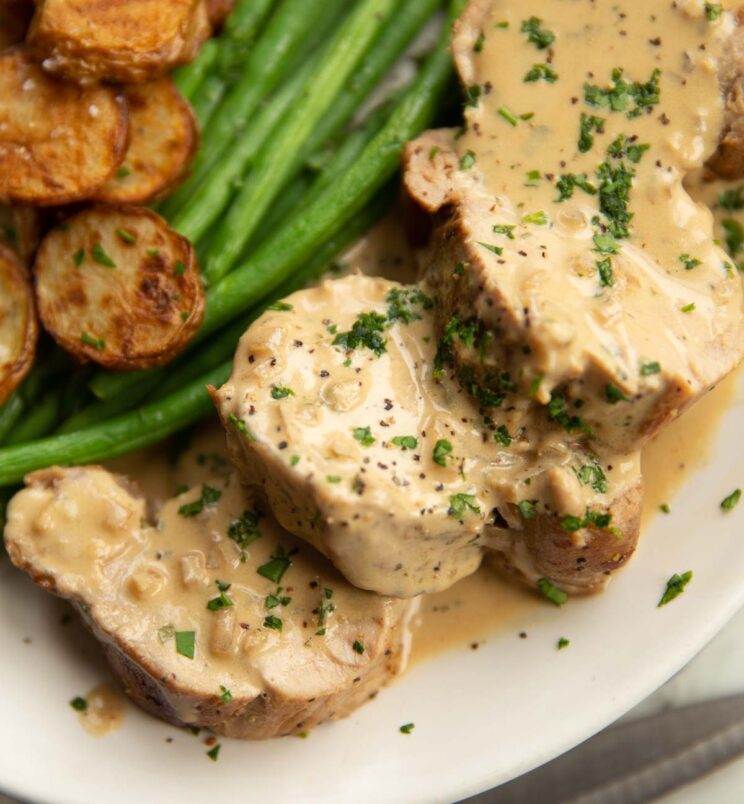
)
(588, 316)
(105, 712)
(315, 425)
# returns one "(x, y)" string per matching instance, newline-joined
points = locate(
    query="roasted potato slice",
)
(58, 142)
(20, 230)
(97, 40)
(15, 16)
(119, 288)
(218, 11)
(18, 328)
(163, 139)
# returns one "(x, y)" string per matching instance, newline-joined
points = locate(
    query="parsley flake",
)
(674, 588)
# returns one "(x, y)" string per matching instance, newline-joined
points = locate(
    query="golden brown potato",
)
(218, 10)
(58, 142)
(164, 137)
(20, 230)
(15, 16)
(18, 328)
(104, 40)
(119, 288)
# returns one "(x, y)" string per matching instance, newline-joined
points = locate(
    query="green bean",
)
(288, 26)
(10, 413)
(276, 161)
(40, 418)
(296, 242)
(140, 428)
(189, 79)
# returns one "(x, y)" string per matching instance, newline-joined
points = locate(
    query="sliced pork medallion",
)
(562, 232)
(343, 408)
(212, 616)
(97, 40)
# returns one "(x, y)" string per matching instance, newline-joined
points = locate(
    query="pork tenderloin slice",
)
(637, 345)
(280, 645)
(368, 449)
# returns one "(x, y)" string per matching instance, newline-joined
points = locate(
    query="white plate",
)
(482, 717)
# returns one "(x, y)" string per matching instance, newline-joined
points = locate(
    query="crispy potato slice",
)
(58, 142)
(18, 327)
(20, 230)
(218, 11)
(97, 40)
(164, 137)
(15, 16)
(119, 288)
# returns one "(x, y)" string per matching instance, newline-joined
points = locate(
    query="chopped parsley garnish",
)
(689, 262)
(734, 236)
(533, 177)
(541, 72)
(674, 588)
(294, 460)
(366, 332)
(472, 96)
(504, 229)
(538, 218)
(358, 647)
(467, 161)
(569, 181)
(665, 509)
(551, 592)
(595, 519)
(613, 394)
(324, 609)
(615, 183)
(333, 478)
(497, 250)
(460, 503)
(479, 42)
(273, 622)
(214, 753)
(222, 601)
(558, 412)
(209, 496)
(123, 172)
(508, 115)
(225, 695)
(407, 728)
(280, 392)
(730, 502)
(732, 200)
(540, 37)
(591, 474)
(186, 643)
(276, 567)
(501, 436)
(442, 450)
(713, 11)
(277, 599)
(78, 257)
(100, 256)
(624, 147)
(527, 508)
(606, 275)
(179, 269)
(126, 236)
(648, 369)
(605, 244)
(364, 436)
(563, 643)
(405, 442)
(588, 124)
(79, 704)
(280, 307)
(241, 427)
(97, 343)
(688, 308)
(401, 303)
(619, 96)
(244, 530)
